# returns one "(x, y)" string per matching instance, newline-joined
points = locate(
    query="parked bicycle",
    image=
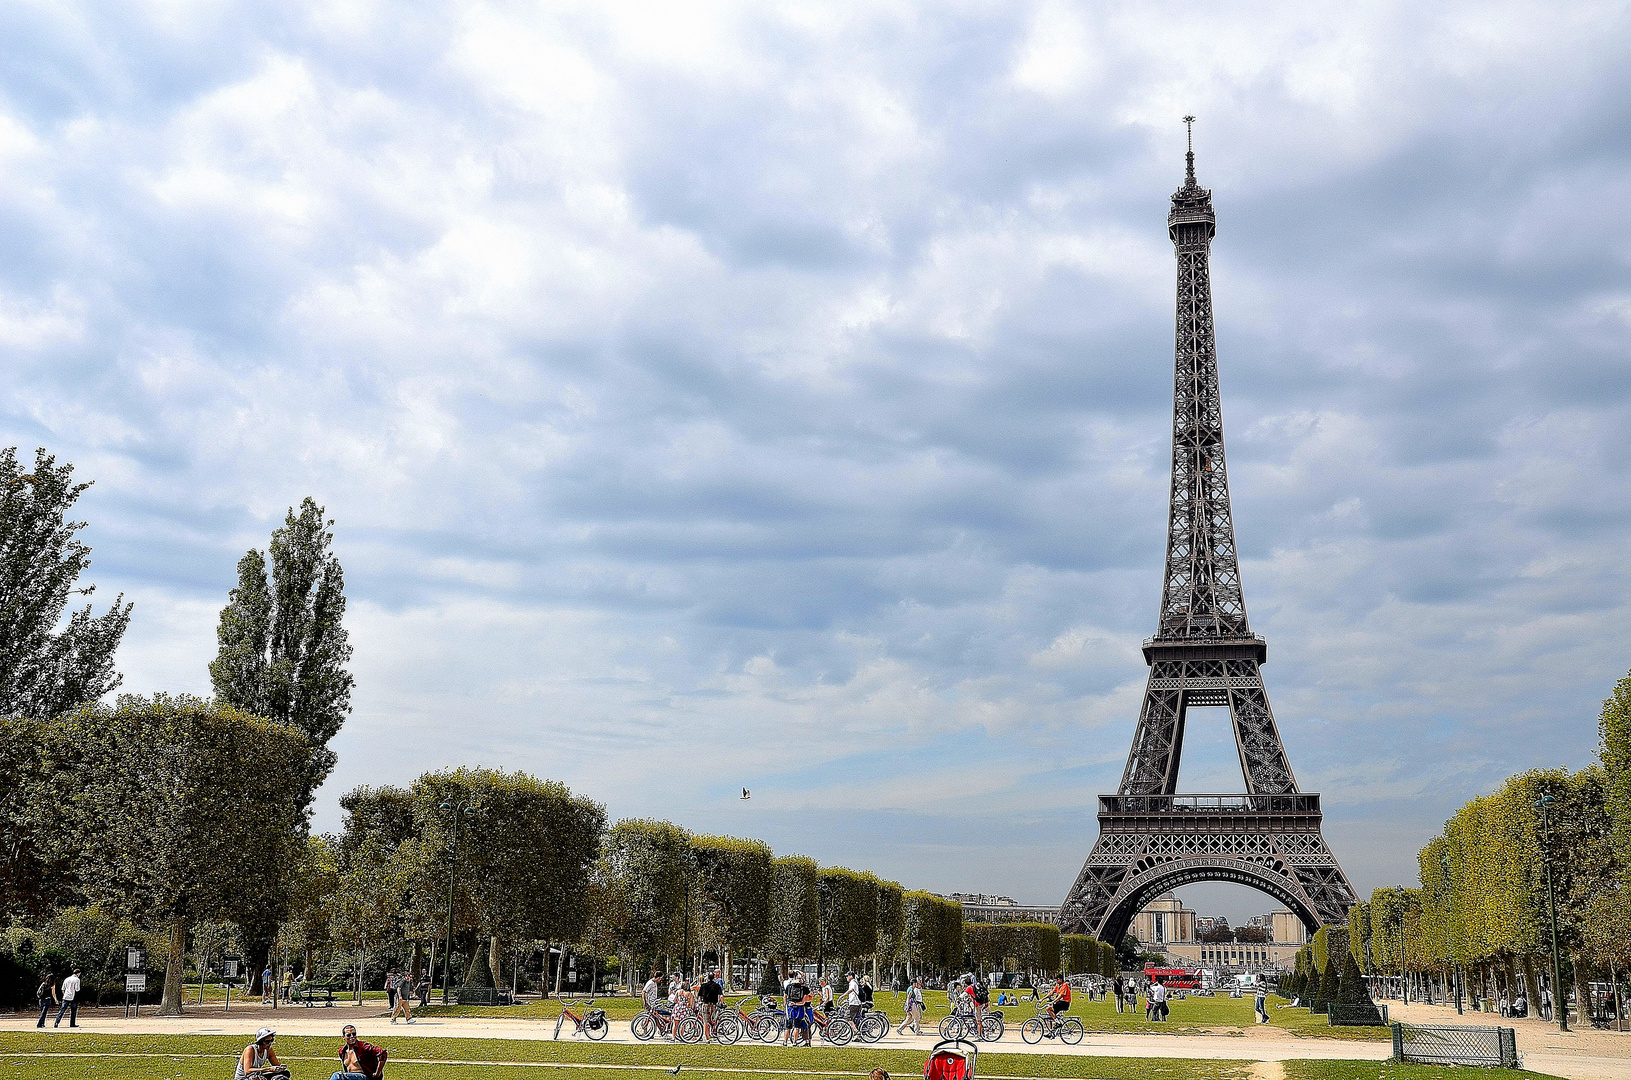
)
(648, 1024)
(1047, 1025)
(591, 1021)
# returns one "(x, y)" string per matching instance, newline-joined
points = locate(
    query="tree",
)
(282, 651)
(366, 909)
(1614, 751)
(648, 864)
(39, 849)
(795, 917)
(1128, 951)
(1351, 988)
(849, 912)
(163, 786)
(736, 879)
(45, 671)
(1218, 935)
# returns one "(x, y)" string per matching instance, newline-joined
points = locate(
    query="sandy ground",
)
(1587, 1055)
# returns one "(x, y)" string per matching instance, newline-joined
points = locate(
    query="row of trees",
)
(1035, 947)
(1482, 907)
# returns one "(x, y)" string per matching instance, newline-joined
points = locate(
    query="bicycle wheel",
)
(991, 1028)
(689, 1030)
(838, 1031)
(951, 1027)
(595, 1025)
(874, 1026)
(1071, 1032)
(559, 1020)
(727, 1029)
(1031, 1030)
(643, 1027)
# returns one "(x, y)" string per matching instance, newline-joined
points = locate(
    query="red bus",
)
(1176, 978)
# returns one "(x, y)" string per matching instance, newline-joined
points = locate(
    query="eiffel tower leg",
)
(1262, 754)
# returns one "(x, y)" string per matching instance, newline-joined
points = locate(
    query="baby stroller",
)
(951, 1059)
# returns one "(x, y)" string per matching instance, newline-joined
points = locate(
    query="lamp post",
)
(458, 810)
(1560, 1001)
(1449, 958)
(1404, 984)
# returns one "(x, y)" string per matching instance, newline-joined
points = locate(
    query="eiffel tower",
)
(1152, 839)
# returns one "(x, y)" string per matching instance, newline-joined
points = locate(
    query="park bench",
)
(313, 994)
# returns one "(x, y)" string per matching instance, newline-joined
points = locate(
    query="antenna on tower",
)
(1189, 156)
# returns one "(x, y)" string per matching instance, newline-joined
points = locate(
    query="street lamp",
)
(1560, 1002)
(1449, 958)
(458, 810)
(1404, 982)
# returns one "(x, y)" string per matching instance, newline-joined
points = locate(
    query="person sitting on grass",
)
(259, 1059)
(359, 1060)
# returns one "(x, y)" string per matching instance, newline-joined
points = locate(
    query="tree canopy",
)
(45, 671)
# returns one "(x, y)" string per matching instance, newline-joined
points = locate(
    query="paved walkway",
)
(1589, 1055)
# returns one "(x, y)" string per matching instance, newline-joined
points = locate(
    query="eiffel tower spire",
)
(1201, 597)
(1203, 653)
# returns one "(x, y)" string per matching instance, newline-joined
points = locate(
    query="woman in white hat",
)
(259, 1059)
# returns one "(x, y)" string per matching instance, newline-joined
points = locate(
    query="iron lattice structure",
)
(1204, 653)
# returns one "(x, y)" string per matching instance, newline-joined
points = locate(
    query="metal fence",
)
(1443, 1044)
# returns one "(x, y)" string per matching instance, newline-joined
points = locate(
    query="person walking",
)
(914, 1007)
(826, 996)
(1262, 1004)
(852, 1001)
(359, 1060)
(70, 1000)
(404, 1003)
(1158, 1000)
(288, 981)
(46, 995)
(1121, 995)
(390, 993)
(268, 986)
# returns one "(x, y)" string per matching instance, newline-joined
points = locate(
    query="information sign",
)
(135, 984)
(231, 969)
(135, 959)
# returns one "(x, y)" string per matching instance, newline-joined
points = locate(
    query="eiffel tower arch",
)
(1152, 839)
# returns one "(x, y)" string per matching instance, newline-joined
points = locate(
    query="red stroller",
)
(951, 1059)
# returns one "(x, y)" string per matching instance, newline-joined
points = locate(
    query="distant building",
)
(984, 907)
(1286, 936)
(1164, 920)
(1205, 924)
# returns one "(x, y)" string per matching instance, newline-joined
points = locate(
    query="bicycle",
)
(874, 1025)
(835, 1029)
(960, 1024)
(647, 1025)
(1047, 1025)
(591, 1022)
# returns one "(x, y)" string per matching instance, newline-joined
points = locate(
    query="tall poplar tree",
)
(45, 671)
(282, 649)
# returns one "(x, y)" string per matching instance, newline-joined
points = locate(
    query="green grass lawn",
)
(197, 1057)
(1383, 1070)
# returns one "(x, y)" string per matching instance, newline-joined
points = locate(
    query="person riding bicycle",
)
(652, 993)
(1060, 996)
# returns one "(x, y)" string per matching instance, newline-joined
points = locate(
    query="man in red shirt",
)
(359, 1060)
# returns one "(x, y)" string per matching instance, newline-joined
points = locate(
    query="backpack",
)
(982, 996)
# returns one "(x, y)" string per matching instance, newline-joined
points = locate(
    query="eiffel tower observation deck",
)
(1152, 839)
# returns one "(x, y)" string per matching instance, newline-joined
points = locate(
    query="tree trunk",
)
(1582, 991)
(495, 960)
(170, 1005)
(417, 963)
(560, 967)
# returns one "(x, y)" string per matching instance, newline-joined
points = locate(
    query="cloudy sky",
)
(729, 395)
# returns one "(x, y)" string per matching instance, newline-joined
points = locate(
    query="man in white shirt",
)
(651, 994)
(1158, 1001)
(70, 1000)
